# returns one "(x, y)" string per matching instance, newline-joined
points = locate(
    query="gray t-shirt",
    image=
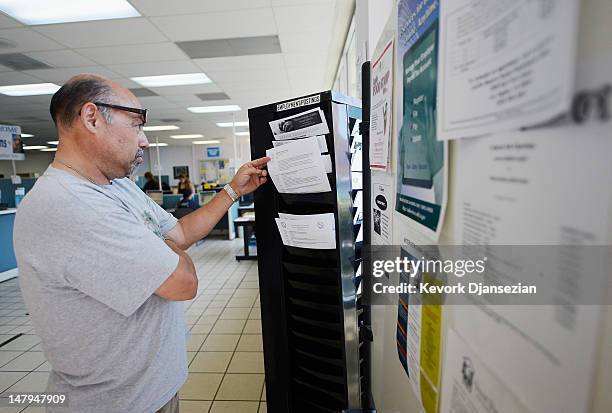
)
(90, 258)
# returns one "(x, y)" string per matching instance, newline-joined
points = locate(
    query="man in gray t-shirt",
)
(102, 268)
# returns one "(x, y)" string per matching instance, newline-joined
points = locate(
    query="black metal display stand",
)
(310, 309)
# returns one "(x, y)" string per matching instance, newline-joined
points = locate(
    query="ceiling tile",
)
(159, 68)
(240, 63)
(103, 33)
(61, 58)
(60, 76)
(168, 8)
(313, 18)
(240, 23)
(305, 60)
(28, 40)
(186, 90)
(304, 42)
(16, 78)
(268, 77)
(151, 52)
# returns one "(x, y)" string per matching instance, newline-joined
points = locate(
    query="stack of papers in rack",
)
(309, 123)
(299, 168)
(316, 231)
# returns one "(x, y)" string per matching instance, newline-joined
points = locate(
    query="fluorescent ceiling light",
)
(172, 80)
(29, 90)
(52, 142)
(26, 135)
(197, 135)
(243, 133)
(49, 150)
(153, 145)
(214, 109)
(33, 12)
(160, 128)
(230, 124)
(31, 147)
(205, 142)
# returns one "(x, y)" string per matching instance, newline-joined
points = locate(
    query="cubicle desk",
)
(8, 264)
(248, 223)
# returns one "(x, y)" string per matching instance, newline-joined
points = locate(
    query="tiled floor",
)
(226, 371)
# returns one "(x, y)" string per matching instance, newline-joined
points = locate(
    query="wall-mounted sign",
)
(180, 170)
(213, 151)
(11, 145)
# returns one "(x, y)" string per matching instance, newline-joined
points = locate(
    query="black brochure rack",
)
(310, 310)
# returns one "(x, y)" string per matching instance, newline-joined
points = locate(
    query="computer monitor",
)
(157, 196)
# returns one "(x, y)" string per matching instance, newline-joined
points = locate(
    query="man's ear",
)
(89, 117)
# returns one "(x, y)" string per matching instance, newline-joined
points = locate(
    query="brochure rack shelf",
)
(310, 308)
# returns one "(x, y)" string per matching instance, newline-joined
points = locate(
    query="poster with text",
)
(11, 144)
(380, 112)
(422, 159)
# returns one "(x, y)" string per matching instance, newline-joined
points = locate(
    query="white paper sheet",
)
(298, 167)
(382, 209)
(327, 163)
(309, 123)
(504, 64)
(468, 385)
(320, 140)
(542, 187)
(381, 108)
(307, 231)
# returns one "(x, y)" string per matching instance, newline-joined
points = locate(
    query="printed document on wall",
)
(382, 208)
(546, 189)
(422, 159)
(504, 64)
(468, 385)
(380, 112)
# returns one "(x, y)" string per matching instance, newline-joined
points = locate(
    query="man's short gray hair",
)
(66, 103)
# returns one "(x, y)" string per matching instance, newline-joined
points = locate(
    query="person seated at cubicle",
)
(153, 185)
(185, 183)
(188, 201)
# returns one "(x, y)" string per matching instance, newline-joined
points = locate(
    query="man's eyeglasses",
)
(142, 112)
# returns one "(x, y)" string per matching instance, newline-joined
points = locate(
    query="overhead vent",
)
(142, 92)
(213, 96)
(238, 46)
(7, 44)
(18, 61)
(171, 120)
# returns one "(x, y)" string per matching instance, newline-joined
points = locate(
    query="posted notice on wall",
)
(504, 65)
(422, 158)
(468, 385)
(381, 108)
(11, 144)
(382, 209)
(539, 188)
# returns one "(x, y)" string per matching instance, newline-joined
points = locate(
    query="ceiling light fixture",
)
(159, 128)
(205, 142)
(230, 124)
(29, 89)
(49, 150)
(153, 145)
(26, 135)
(243, 133)
(34, 12)
(172, 80)
(53, 142)
(32, 147)
(214, 109)
(197, 135)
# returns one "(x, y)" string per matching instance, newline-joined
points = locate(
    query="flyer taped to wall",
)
(381, 108)
(309, 123)
(11, 143)
(504, 65)
(422, 159)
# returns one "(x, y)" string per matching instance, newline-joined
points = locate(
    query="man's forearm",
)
(199, 223)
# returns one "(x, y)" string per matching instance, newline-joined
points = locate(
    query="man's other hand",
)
(250, 176)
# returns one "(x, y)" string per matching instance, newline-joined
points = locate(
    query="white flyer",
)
(309, 123)
(538, 188)
(381, 108)
(298, 168)
(308, 231)
(504, 64)
(11, 143)
(320, 140)
(468, 385)
(382, 209)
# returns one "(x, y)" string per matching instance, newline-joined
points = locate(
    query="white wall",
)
(35, 162)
